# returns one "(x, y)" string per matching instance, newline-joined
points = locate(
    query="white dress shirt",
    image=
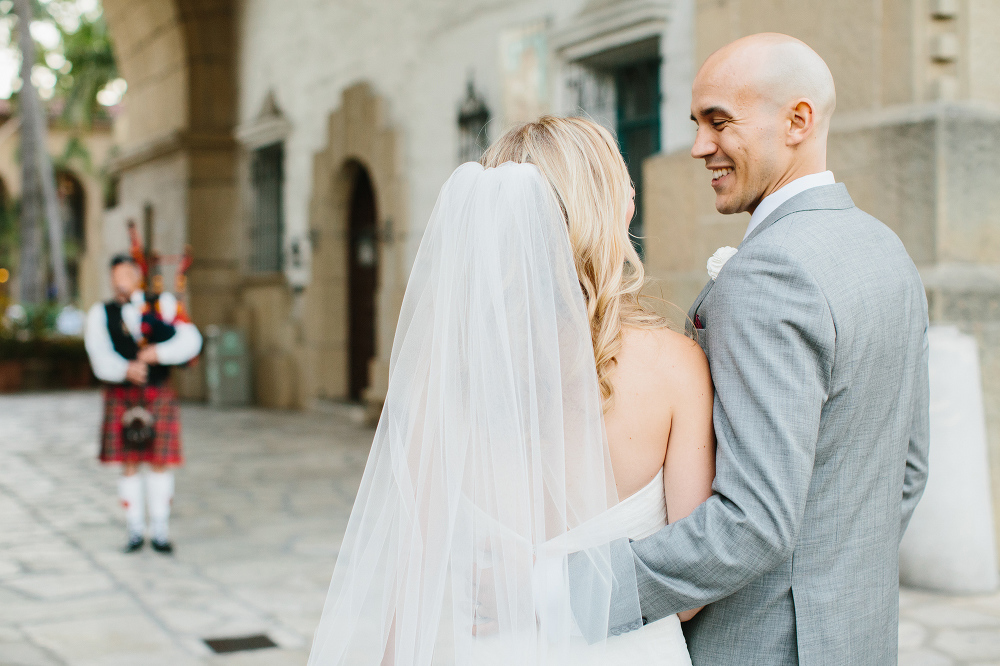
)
(775, 199)
(109, 365)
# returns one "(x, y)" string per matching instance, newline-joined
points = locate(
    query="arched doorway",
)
(72, 207)
(362, 280)
(355, 290)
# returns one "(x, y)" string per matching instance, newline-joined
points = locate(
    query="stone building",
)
(299, 147)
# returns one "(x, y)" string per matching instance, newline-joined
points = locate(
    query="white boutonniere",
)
(719, 259)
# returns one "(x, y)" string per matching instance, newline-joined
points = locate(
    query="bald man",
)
(816, 333)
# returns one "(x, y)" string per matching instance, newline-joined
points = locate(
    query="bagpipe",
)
(138, 422)
(155, 327)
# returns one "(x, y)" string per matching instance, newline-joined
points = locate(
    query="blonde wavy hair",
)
(582, 163)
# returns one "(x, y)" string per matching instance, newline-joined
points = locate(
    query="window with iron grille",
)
(267, 219)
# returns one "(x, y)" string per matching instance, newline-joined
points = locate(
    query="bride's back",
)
(661, 416)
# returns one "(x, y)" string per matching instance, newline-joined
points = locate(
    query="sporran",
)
(138, 431)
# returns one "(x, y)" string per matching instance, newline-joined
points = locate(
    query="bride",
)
(536, 412)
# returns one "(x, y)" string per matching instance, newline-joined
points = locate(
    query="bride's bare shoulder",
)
(671, 356)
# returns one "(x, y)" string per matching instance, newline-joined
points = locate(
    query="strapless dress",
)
(659, 643)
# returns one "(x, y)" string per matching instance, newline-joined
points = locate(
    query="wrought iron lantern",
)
(473, 117)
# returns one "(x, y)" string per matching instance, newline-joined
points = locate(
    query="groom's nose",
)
(703, 146)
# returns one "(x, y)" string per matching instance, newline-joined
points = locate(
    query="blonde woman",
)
(536, 413)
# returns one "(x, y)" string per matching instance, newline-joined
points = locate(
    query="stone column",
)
(950, 544)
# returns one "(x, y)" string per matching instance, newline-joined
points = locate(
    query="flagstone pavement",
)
(259, 511)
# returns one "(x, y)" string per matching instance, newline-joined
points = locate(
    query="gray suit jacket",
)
(816, 333)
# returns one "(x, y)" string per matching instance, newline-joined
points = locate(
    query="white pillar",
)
(950, 545)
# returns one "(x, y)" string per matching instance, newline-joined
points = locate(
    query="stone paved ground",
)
(259, 511)
(258, 514)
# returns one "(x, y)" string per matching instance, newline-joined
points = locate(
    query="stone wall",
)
(883, 52)
(177, 152)
(868, 45)
(151, 54)
(378, 85)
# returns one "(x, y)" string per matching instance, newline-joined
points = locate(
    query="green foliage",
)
(37, 322)
(75, 153)
(91, 66)
(80, 64)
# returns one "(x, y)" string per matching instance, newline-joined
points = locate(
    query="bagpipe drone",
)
(158, 321)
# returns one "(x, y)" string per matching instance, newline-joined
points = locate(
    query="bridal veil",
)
(489, 470)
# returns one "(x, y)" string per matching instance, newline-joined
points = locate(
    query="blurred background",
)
(298, 148)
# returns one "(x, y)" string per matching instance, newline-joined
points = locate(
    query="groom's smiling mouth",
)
(719, 173)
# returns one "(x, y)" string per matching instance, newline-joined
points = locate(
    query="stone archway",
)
(359, 141)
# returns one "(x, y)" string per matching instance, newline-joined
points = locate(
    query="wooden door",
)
(362, 251)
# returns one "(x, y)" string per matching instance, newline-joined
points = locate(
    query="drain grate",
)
(255, 642)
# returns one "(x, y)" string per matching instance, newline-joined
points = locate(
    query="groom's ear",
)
(801, 121)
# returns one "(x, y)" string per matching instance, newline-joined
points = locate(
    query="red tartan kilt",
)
(162, 402)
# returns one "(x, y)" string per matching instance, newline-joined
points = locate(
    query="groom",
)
(816, 332)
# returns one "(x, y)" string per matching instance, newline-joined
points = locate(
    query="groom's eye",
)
(719, 124)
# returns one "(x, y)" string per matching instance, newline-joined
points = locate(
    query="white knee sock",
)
(160, 486)
(130, 491)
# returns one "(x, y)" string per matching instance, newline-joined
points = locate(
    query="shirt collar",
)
(775, 199)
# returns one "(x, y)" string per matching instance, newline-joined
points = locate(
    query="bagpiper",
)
(132, 342)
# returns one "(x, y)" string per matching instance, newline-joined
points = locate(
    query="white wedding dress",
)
(661, 642)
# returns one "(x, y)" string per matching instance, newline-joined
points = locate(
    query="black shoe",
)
(135, 542)
(164, 547)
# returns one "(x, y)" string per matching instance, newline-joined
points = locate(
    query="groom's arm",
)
(915, 476)
(771, 343)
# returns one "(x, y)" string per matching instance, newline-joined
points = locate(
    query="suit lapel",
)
(693, 312)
